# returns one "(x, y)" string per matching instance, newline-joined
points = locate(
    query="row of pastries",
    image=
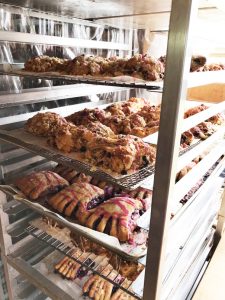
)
(93, 140)
(139, 65)
(94, 204)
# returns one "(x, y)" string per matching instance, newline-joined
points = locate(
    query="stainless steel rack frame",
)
(182, 17)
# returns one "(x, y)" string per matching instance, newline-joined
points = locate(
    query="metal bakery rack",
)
(182, 245)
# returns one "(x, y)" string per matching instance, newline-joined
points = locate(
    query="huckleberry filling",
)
(83, 270)
(95, 201)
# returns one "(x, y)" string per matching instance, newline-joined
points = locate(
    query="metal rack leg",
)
(5, 243)
(174, 94)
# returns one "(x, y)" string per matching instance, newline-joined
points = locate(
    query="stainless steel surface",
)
(55, 93)
(21, 37)
(131, 83)
(175, 85)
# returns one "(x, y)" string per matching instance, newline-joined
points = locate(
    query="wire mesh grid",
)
(73, 79)
(128, 182)
(90, 265)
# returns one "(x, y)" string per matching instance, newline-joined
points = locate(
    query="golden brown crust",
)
(76, 200)
(44, 124)
(44, 63)
(41, 183)
(116, 217)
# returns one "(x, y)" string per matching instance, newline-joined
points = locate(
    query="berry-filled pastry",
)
(72, 176)
(70, 269)
(116, 217)
(144, 195)
(68, 173)
(44, 124)
(121, 154)
(77, 199)
(40, 184)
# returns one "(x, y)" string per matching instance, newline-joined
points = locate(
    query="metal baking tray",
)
(103, 239)
(39, 146)
(121, 81)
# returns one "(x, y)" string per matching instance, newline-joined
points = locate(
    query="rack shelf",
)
(93, 266)
(135, 83)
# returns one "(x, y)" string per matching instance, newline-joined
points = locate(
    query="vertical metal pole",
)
(174, 94)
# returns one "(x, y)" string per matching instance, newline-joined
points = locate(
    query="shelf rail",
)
(175, 87)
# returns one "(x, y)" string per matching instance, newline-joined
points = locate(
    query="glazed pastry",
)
(39, 184)
(68, 268)
(185, 170)
(98, 288)
(144, 195)
(44, 124)
(69, 174)
(77, 199)
(72, 176)
(116, 217)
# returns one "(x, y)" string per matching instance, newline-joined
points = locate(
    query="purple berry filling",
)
(95, 202)
(83, 271)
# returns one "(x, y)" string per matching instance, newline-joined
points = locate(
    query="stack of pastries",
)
(141, 66)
